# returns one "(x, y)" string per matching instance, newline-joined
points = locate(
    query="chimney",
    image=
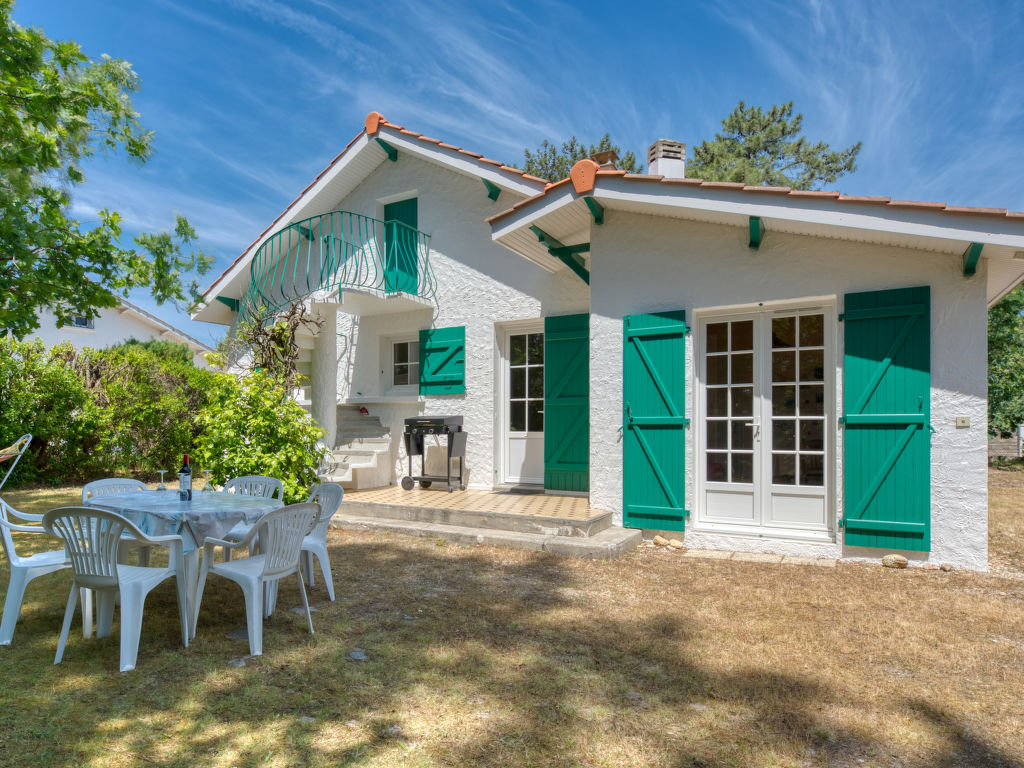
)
(606, 160)
(667, 158)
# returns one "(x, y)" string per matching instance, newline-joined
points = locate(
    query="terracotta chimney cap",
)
(583, 176)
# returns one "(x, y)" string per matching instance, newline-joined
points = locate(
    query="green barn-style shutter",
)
(886, 398)
(567, 403)
(400, 246)
(443, 361)
(654, 421)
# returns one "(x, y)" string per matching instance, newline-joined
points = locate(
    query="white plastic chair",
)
(329, 496)
(24, 569)
(251, 485)
(281, 532)
(117, 486)
(256, 485)
(91, 540)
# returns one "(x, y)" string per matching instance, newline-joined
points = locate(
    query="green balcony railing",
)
(338, 250)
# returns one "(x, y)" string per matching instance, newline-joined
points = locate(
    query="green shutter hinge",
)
(686, 513)
(842, 317)
(686, 423)
(842, 421)
(840, 523)
(931, 429)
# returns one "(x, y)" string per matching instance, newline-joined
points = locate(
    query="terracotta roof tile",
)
(447, 146)
(535, 178)
(488, 160)
(471, 154)
(915, 204)
(832, 195)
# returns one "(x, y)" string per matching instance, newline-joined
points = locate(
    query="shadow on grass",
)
(530, 669)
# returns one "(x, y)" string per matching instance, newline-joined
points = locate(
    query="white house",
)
(114, 326)
(758, 369)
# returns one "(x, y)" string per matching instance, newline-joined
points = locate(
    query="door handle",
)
(756, 426)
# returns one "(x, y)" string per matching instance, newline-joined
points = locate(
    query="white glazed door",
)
(524, 407)
(766, 395)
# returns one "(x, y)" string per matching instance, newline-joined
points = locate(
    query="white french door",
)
(523, 405)
(765, 407)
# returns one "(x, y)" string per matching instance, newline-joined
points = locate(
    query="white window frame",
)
(388, 366)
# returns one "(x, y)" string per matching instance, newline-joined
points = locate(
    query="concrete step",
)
(606, 545)
(496, 521)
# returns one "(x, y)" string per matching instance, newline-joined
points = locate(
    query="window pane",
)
(742, 467)
(718, 369)
(413, 351)
(812, 400)
(718, 337)
(742, 369)
(783, 435)
(718, 435)
(784, 401)
(783, 366)
(517, 416)
(401, 352)
(718, 402)
(517, 350)
(812, 435)
(812, 365)
(812, 470)
(401, 375)
(536, 348)
(784, 469)
(518, 382)
(742, 436)
(783, 331)
(718, 467)
(536, 413)
(536, 380)
(742, 401)
(812, 331)
(743, 335)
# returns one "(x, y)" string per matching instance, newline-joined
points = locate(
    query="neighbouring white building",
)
(116, 325)
(761, 369)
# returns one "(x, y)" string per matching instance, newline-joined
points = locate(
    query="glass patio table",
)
(209, 513)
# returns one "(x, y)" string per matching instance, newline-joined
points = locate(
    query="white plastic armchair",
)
(117, 486)
(281, 533)
(256, 485)
(329, 496)
(91, 540)
(24, 569)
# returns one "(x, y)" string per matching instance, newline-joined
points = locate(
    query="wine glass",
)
(206, 485)
(162, 487)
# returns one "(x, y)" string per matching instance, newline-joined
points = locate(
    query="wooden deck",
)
(501, 502)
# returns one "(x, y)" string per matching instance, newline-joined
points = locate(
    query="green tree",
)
(766, 149)
(1006, 364)
(57, 108)
(553, 163)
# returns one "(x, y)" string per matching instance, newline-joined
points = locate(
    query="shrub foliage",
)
(136, 408)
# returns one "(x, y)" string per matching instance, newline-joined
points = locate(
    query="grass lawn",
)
(502, 658)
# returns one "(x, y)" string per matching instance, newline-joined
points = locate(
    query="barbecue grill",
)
(416, 429)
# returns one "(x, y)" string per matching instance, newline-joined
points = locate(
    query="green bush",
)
(41, 393)
(252, 427)
(150, 400)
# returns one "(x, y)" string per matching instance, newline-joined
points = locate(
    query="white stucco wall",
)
(480, 285)
(645, 263)
(110, 328)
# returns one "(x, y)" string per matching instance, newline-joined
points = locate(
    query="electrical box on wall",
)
(962, 422)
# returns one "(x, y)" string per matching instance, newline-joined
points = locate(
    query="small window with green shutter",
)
(443, 361)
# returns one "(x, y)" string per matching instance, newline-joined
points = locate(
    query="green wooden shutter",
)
(567, 403)
(654, 421)
(886, 404)
(443, 361)
(400, 250)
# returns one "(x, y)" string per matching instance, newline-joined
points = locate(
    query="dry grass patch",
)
(503, 658)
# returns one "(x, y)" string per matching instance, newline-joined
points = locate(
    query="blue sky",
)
(250, 99)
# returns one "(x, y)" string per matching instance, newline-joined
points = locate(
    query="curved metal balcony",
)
(338, 251)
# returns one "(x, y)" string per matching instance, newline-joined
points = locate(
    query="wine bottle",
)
(185, 481)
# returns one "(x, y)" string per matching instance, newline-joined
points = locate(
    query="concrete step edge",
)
(606, 545)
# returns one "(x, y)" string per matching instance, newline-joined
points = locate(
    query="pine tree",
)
(766, 149)
(554, 163)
